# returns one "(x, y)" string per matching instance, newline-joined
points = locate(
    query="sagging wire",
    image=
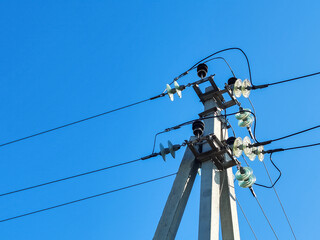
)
(223, 50)
(275, 182)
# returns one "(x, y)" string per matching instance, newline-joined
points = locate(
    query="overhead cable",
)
(275, 191)
(68, 178)
(287, 136)
(284, 81)
(247, 220)
(274, 232)
(80, 121)
(86, 198)
(292, 148)
(223, 50)
(80, 174)
(275, 182)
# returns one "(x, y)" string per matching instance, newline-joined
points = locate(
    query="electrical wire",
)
(266, 217)
(247, 220)
(68, 178)
(275, 191)
(224, 50)
(255, 122)
(245, 160)
(287, 136)
(190, 122)
(155, 139)
(280, 173)
(296, 133)
(84, 173)
(232, 129)
(222, 58)
(80, 121)
(281, 150)
(86, 198)
(298, 147)
(293, 79)
(292, 148)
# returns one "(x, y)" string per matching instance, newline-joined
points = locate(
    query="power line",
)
(99, 115)
(273, 184)
(296, 133)
(293, 79)
(287, 136)
(292, 148)
(284, 81)
(255, 236)
(255, 122)
(281, 150)
(298, 147)
(86, 198)
(275, 191)
(222, 58)
(81, 174)
(266, 217)
(68, 178)
(224, 50)
(80, 121)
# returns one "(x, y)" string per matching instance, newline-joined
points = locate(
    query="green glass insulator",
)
(246, 122)
(237, 147)
(177, 87)
(244, 176)
(242, 115)
(246, 146)
(260, 153)
(245, 88)
(237, 88)
(253, 154)
(248, 183)
(170, 92)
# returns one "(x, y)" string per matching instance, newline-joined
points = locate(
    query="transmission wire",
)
(293, 79)
(255, 236)
(266, 217)
(280, 174)
(80, 121)
(68, 178)
(293, 134)
(86, 198)
(275, 191)
(298, 147)
(222, 58)
(223, 50)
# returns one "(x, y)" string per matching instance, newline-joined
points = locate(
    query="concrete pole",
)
(217, 196)
(210, 184)
(178, 198)
(228, 204)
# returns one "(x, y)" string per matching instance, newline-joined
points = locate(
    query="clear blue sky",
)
(64, 60)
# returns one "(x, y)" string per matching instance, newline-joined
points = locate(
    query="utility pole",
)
(217, 195)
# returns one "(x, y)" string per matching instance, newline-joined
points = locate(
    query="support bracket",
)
(217, 151)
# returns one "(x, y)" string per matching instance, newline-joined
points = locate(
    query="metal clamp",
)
(217, 152)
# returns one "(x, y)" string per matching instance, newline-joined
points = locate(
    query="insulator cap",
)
(232, 80)
(197, 127)
(202, 70)
(230, 141)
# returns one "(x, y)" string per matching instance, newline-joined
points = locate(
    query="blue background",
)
(65, 60)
